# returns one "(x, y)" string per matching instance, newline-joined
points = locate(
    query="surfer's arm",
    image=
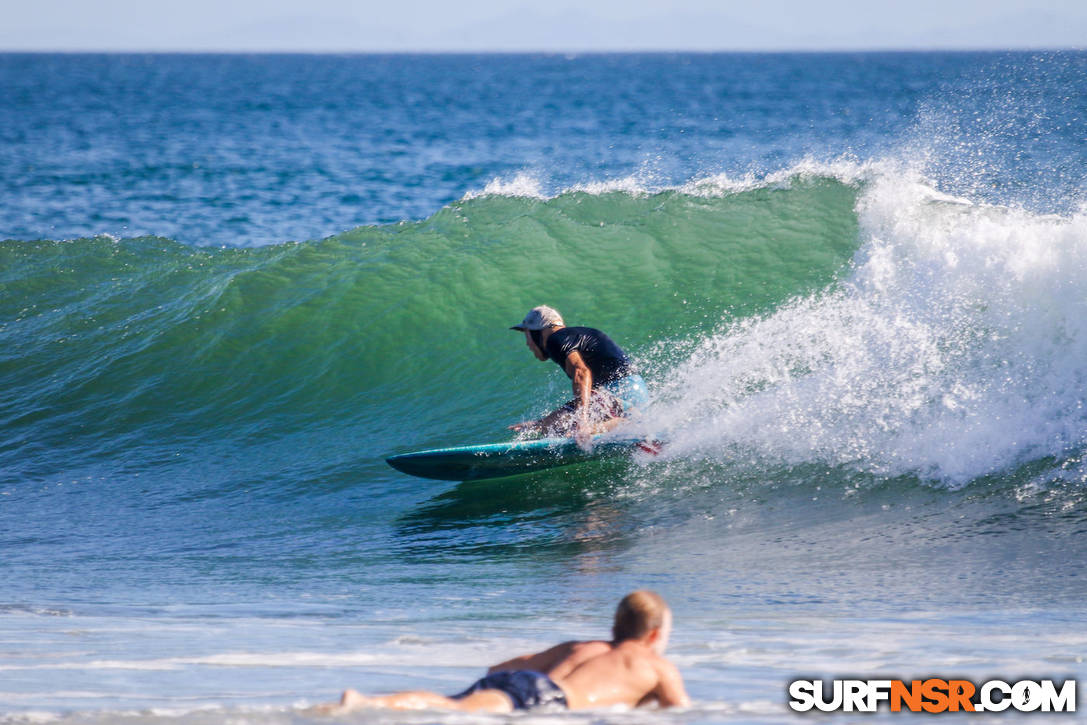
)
(582, 376)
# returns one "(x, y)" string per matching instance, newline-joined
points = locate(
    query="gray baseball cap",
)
(540, 318)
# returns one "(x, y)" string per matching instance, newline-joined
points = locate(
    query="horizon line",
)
(546, 51)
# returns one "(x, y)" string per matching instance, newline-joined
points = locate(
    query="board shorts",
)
(630, 391)
(527, 690)
(614, 399)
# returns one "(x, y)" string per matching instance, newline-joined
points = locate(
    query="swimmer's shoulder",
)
(576, 653)
(590, 648)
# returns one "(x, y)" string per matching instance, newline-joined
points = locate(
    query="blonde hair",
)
(638, 614)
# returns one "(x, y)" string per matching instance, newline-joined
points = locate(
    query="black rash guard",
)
(605, 360)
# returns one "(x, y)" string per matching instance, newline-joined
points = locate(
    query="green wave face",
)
(398, 330)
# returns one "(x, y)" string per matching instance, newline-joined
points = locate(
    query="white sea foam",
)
(401, 652)
(22, 609)
(953, 348)
(845, 170)
(521, 185)
(233, 659)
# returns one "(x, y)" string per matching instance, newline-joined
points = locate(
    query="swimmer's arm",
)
(670, 691)
(539, 662)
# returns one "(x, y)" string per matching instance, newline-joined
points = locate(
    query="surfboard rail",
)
(511, 458)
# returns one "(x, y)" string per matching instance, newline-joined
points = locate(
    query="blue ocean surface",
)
(231, 285)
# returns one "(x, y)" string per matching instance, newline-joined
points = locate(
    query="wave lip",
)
(845, 170)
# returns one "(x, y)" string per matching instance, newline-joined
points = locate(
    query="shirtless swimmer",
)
(629, 670)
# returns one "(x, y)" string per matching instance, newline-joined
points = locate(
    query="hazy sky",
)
(521, 25)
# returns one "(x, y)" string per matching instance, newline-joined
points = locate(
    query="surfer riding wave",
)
(607, 389)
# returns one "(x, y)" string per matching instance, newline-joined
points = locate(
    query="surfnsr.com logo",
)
(932, 695)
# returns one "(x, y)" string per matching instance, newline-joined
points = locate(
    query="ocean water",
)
(231, 285)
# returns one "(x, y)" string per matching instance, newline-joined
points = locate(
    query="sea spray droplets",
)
(953, 350)
(521, 185)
